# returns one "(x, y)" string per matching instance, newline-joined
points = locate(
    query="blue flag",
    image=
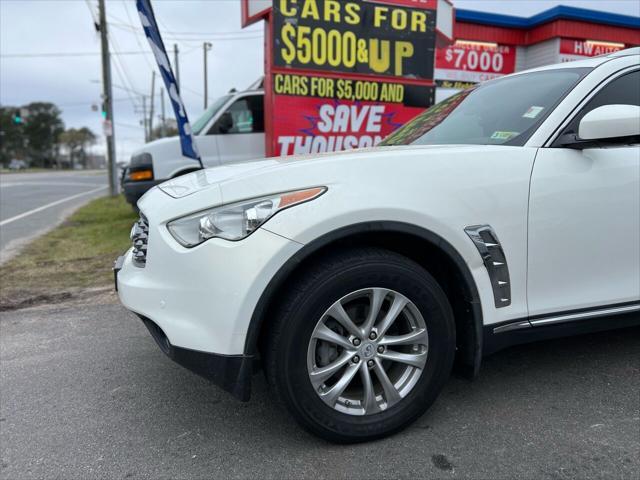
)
(150, 26)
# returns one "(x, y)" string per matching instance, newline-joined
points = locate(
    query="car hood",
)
(231, 183)
(202, 179)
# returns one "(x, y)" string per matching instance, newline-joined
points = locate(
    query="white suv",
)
(507, 213)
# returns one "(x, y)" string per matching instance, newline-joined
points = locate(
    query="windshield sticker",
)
(503, 135)
(533, 112)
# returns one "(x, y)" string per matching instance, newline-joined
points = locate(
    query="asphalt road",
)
(32, 203)
(85, 393)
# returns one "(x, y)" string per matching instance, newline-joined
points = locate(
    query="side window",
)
(621, 91)
(245, 115)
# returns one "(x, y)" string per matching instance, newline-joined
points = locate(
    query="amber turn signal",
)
(141, 175)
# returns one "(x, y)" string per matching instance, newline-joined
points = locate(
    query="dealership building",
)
(488, 45)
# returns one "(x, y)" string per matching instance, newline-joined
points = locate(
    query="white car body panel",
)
(240, 147)
(434, 195)
(471, 199)
(542, 203)
(197, 307)
(584, 242)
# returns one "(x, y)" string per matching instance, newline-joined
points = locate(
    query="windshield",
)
(501, 112)
(202, 122)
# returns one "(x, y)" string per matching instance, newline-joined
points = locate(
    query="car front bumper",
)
(197, 303)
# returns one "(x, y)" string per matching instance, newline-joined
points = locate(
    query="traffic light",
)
(17, 117)
(104, 111)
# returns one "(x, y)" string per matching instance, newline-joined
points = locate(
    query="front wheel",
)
(361, 346)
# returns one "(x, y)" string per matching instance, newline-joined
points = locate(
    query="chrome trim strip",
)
(512, 326)
(585, 315)
(569, 317)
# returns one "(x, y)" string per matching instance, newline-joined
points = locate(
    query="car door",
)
(239, 131)
(584, 216)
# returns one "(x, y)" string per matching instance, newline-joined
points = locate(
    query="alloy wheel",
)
(367, 351)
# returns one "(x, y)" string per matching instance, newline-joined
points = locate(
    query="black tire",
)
(309, 296)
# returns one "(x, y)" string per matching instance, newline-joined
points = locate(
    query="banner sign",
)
(354, 90)
(148, 19)
(474, 62)
(354, 37)
(344, 74)
(321, 114)
(580, 49)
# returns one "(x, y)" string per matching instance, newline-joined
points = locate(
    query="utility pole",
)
(107, 98)
(164, 120)
(153, 101)
(145, 120)
(206, 46)
(177, 65)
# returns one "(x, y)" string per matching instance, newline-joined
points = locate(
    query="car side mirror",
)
(603, 125)
(225, 122)
(610, 121)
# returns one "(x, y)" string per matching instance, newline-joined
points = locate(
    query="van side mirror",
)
(225, 123)
(603, 125)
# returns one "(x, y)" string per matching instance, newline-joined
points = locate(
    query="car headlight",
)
(236, 221)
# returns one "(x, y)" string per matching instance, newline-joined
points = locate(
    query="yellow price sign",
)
(354, 37)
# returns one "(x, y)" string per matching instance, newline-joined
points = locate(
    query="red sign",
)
(315, 125)
(314, 114)
(587, 48)
(343, 75)
(474, 61)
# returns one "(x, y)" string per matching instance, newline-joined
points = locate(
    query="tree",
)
(41, 128)
(169, 130)
(77, 141)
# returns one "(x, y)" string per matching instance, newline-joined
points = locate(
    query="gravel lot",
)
(85, 393)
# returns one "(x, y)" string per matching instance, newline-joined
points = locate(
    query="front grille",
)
(140, 238)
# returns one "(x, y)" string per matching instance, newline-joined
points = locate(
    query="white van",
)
(231, 130)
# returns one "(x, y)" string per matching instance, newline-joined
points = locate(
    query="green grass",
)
(76, 255)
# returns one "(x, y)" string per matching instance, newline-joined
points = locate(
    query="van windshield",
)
(208, 114)
(501, 112)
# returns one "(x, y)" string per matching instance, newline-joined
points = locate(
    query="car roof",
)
(624, 53)
(591, 62)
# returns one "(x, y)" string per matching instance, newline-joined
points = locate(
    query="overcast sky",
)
(72, 82)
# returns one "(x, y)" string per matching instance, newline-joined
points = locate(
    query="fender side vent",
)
(495, 261)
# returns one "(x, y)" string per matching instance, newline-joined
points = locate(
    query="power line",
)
(127, 125)
(87, 103)
(201, 36)
(167, 33)
(122, 72)
(123, 80)
(76, 104)
(126, 9)
(64, 54)
(182, 87)
(92, 12)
